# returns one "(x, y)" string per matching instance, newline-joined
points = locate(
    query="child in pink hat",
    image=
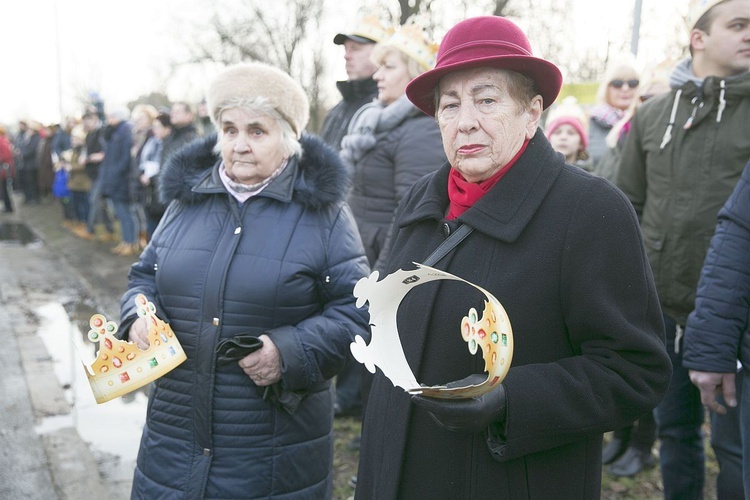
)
(567, 134)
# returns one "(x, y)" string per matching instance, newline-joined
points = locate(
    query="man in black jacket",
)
(360, 88)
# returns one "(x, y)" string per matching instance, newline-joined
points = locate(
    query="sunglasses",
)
(619, 83)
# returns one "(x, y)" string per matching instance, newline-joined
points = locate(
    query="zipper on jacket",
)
(678, 333)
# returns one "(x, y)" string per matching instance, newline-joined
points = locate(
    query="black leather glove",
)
(232, 350)
(466, 415)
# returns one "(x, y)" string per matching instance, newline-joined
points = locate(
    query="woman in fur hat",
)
(257, 250)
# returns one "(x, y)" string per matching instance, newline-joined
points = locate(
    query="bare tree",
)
(284, 35)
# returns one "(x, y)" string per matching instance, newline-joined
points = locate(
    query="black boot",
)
(632, 462)
(613, 450)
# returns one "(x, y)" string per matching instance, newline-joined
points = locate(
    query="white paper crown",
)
(697, 9)
(492, 333)
(121, 367)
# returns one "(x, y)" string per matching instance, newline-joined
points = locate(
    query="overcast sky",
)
(120, 48)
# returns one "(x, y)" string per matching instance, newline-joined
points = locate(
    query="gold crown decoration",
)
(370, 26)
(412, 40)
(121, 367)
(492, 333)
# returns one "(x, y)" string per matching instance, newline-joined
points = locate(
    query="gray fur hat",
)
(251, 80)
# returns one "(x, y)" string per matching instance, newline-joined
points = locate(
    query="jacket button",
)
(216, 321)
(446, 229)
(206, 452)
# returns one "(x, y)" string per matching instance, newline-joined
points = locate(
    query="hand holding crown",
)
(138, 333)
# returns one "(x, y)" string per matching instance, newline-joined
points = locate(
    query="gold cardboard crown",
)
(369, 26)
(412, 41)
(120, 367)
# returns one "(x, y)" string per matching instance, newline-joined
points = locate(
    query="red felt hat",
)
(490, 41)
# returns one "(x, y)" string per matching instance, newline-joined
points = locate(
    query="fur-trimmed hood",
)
(191, 174)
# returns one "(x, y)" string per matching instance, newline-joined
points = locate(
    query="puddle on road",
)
(113, 427)
(16, 233)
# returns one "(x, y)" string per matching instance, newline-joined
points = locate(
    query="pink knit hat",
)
(573, 122)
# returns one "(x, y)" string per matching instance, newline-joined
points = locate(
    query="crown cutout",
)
(492, 333)
(370, 26)
(412, 40)
(121, 367)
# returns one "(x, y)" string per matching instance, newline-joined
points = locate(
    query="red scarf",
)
(463, 194)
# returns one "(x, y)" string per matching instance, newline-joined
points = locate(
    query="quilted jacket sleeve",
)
(314, 349)
(716, 327)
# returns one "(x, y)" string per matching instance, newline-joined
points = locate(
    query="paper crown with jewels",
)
(121, 367)
(412, 40)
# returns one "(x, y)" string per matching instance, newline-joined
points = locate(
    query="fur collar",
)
(321, 180)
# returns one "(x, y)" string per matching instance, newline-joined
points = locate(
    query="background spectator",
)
(359, 89)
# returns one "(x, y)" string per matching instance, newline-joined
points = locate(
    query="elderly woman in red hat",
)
(559, 248)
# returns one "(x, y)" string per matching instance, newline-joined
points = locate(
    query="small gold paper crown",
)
(412, 41)
(370, 27)
(121, 367)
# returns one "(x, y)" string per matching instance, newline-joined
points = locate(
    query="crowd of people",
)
(615, 235)
(102, 168)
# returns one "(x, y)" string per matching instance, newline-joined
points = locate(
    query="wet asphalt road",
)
(42, 262)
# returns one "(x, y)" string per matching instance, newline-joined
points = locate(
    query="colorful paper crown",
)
(412, 41)
(368, 26)
(121, 367)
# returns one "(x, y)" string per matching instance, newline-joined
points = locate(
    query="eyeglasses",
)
(619, 83)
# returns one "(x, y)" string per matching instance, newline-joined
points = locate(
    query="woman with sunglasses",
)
(616, 92)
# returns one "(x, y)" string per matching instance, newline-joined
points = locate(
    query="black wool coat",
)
(563, 253)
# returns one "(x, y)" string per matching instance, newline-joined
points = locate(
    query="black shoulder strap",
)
(449, 244)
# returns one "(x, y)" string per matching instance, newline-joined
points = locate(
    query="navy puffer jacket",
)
(718, 330)
(283, 263)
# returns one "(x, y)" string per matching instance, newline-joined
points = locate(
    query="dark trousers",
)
(349, 385)
(744, 406)
(5, 193)
(80, 202)
(641, 435)
(30, 181)
(679, 419)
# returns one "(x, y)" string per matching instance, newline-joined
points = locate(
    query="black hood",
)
(322, 178)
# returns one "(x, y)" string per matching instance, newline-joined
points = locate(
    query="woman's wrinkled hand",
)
(138, 333)
(264, 365)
